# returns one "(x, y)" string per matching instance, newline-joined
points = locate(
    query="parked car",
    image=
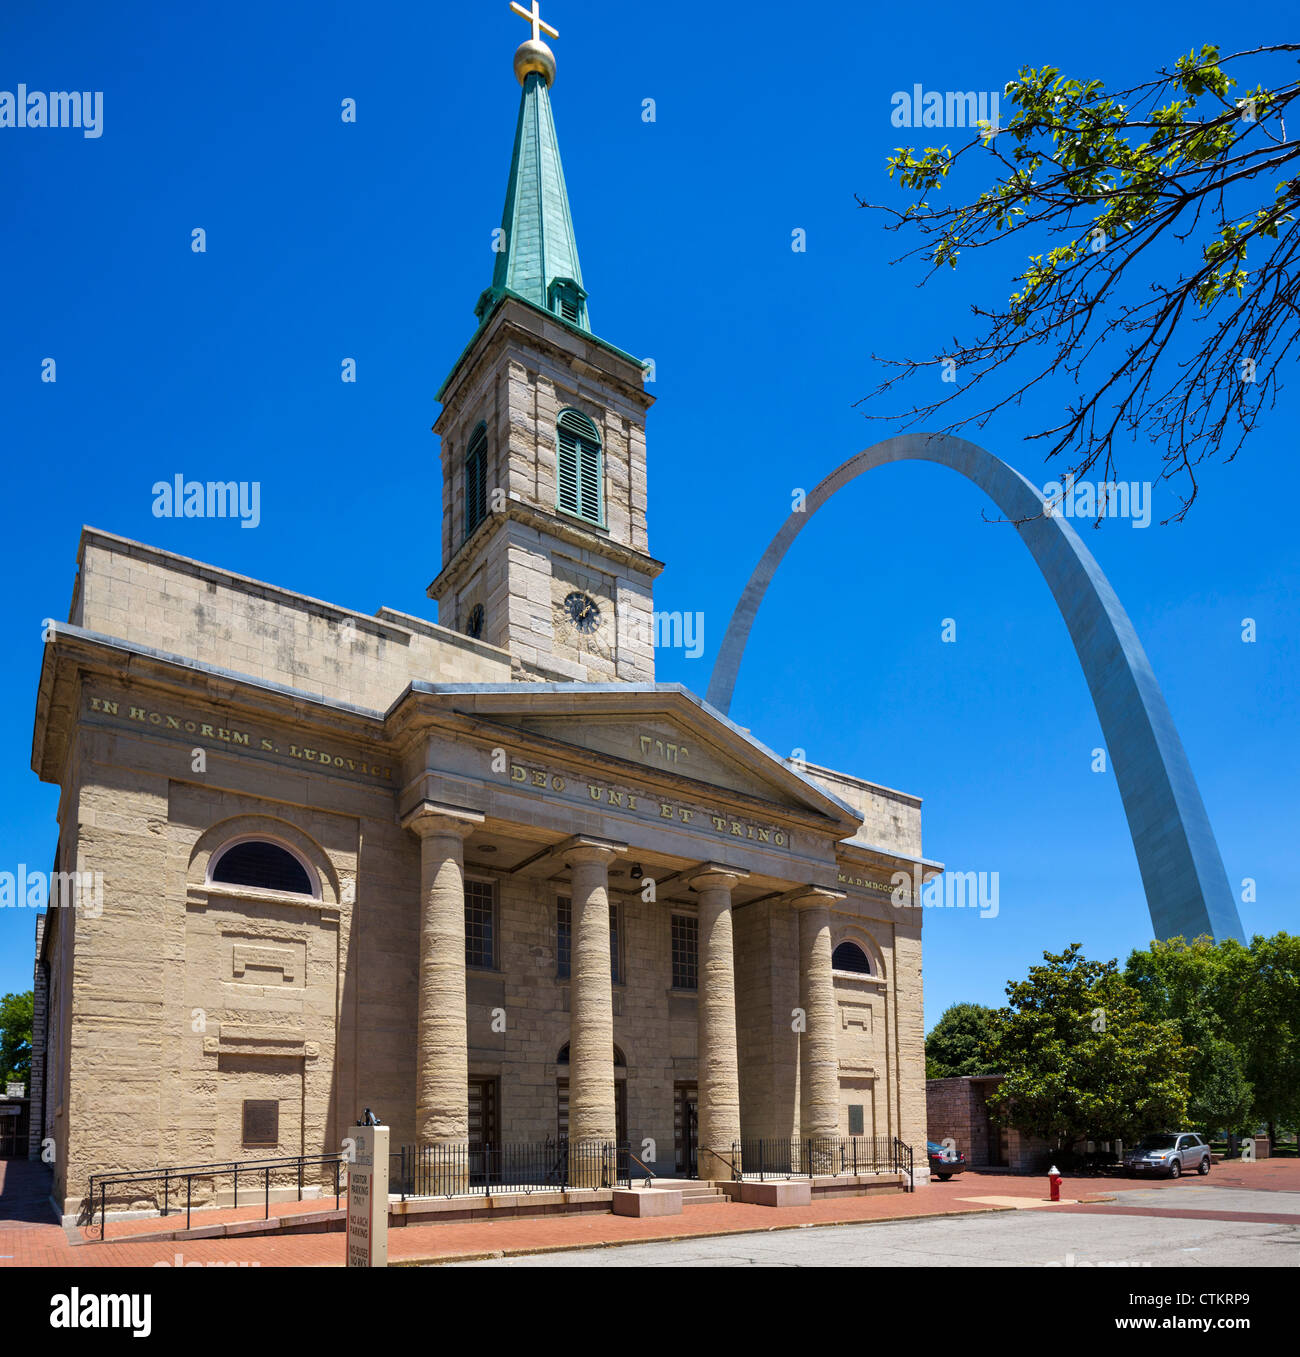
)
(944, 1163)
(1170, 1154)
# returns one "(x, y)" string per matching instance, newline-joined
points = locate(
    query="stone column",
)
(441, 1042)
(592, 1117)
(718, 1069)
(819, 1074)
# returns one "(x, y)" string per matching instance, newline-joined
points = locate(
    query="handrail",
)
(649, 1172)
(189, 1172)
(904, 1162)
(830, 1156)
(130, 1175)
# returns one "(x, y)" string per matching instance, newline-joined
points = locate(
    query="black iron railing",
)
(903, 1163)
(480, 1169)
(821, 1157)
(256, 1172)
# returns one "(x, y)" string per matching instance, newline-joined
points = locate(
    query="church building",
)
(484, 876)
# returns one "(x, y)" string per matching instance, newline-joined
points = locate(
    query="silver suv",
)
(1170, 1154)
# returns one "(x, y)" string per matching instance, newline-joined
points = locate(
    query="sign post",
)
(368, 1198)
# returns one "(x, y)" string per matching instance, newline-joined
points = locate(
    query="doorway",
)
(484, 1127)
(686, 1112)
(562, 1110)
(13, 1130)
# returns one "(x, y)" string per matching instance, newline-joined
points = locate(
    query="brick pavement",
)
(29, 1235)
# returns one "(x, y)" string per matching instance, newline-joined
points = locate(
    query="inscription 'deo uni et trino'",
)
(637, 803)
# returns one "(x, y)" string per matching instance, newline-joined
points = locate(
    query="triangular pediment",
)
(662, 729)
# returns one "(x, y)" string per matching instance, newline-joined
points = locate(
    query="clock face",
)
(582, 611)
(474, 627)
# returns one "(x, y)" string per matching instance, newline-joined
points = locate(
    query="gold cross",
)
(534, 17)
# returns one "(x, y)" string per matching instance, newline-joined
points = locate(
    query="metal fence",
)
(166, 1187)
(456, 1170)
(821, 1157)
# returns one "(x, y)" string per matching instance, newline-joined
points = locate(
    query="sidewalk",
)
(30, 1237)
(44, 1245)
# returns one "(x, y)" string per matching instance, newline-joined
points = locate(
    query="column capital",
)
(810, 897)
(433, 819)
(587, 848)
(714, 876)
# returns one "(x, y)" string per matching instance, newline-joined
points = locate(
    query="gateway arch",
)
(1182, 872)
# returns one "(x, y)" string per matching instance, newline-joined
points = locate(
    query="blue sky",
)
(372, 241)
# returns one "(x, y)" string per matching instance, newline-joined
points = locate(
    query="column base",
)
(712, 1166)
(441, 1169)
(593, 1163)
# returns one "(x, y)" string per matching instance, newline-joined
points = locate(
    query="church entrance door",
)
(685, 1129)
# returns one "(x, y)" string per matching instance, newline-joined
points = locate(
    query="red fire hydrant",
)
(1054, 1179)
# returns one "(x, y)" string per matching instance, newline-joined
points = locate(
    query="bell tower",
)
(545, 551)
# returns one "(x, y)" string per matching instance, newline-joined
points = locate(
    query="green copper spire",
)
(538, 258)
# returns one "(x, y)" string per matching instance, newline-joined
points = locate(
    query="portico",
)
(740, 831)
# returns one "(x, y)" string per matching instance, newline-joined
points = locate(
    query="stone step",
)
(702, 1198)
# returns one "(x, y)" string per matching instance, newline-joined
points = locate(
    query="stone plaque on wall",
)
(261, 1121)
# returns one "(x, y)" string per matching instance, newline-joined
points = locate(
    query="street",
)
(1071, 1237)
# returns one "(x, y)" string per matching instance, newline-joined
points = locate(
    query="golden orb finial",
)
(534, 55)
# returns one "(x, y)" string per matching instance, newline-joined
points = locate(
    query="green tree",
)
(1193, 984)
(16, 1037)
(1082, 1059)
(957, 1044)
(1262, 1011)
(1167, 273)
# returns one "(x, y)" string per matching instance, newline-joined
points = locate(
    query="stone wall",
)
(184, 998)
(516, 378)
(890, 819)
(169, 603)
(191, 998)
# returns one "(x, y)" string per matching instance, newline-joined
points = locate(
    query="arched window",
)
(579, 474)
(620, 1061)
(476, 479)
(268, 866)
(848, 956)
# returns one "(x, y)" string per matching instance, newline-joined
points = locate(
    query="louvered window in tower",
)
(579, 475)
(567, 300)
(476, 480)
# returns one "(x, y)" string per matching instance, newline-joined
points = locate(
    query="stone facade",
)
(164, 602)
(500, 887)
(527, 556)
(183, 998)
